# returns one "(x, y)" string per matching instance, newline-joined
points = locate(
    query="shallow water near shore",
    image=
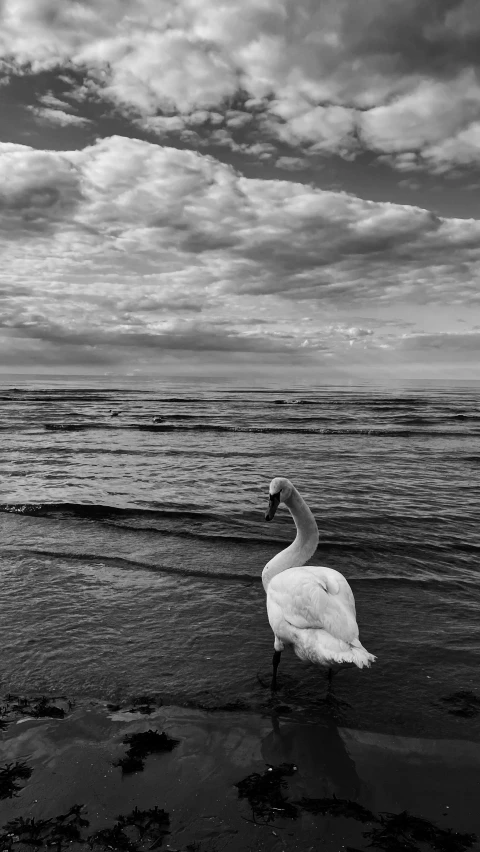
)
(131, 558)
(132, 544)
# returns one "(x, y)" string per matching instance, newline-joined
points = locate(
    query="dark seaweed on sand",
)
(152, 825)
(337, 807)
(141, 745)
(43, 709)
(59, 832)
(236, 706)
(3, 721)
(146, 709)
(9, 775)
(149, 826)
(150, 742)
(264, 793)
(145, 703)
(130, 763)
(392, 833)
(53, 833)
(66, 828)
(39, 708)
(401, 833)
(395, 832)
(265, 796)
(145, 821)
(29, 831)
(112, 838)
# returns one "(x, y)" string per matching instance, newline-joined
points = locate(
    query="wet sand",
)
(235, 781)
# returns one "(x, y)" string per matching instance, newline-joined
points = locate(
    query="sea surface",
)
(133, 540)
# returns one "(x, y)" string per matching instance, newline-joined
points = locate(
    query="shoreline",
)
(233, 780)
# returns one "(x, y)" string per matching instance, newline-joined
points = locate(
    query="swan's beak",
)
(273, 502)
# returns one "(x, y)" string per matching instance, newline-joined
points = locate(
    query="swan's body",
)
(311, 608)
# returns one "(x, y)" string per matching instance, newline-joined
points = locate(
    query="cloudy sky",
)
(283, 188)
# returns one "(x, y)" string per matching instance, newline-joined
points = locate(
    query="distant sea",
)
(133, 540)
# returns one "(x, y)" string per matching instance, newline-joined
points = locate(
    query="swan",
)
(311, 608)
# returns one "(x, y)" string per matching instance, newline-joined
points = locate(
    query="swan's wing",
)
(315, 597)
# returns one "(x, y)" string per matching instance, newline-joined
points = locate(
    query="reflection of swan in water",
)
(311, 608)
(318, 751)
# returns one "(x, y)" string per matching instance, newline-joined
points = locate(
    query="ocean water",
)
(133, 540)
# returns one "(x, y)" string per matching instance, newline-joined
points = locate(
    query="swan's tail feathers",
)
(322, 648)
(360, 656)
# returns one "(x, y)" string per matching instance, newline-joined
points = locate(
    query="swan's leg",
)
(330, 693)
(279, 646)
(276, 662)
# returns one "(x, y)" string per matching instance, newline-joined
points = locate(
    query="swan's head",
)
(280, 491)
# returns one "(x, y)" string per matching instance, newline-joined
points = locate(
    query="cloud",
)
(175, 335)
(428, 113)
(129, 246)
(292, 164)
(37, 189)
(334, 77)
(50, 100)
(323, 128)
(444, 344)
(58, 117)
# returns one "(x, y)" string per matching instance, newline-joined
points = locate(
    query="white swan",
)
(311, 608)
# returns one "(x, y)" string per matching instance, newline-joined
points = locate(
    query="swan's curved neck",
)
(305, 543)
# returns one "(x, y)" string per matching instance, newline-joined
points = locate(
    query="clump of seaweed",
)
(139, 827)
(66, 828)
(40, 707)
(141, 745)
(32, 832)
(392, 833)
(236, 706)
(464, 703)
(148, 826)
(145, 709)
(401, 833)
(144, 704)
(4, 721)
(43, 708)
(9, 775)
(53, 833)
(112, 838)
(337, 807)
(264, 793)
(130, 763)
(152, 825)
